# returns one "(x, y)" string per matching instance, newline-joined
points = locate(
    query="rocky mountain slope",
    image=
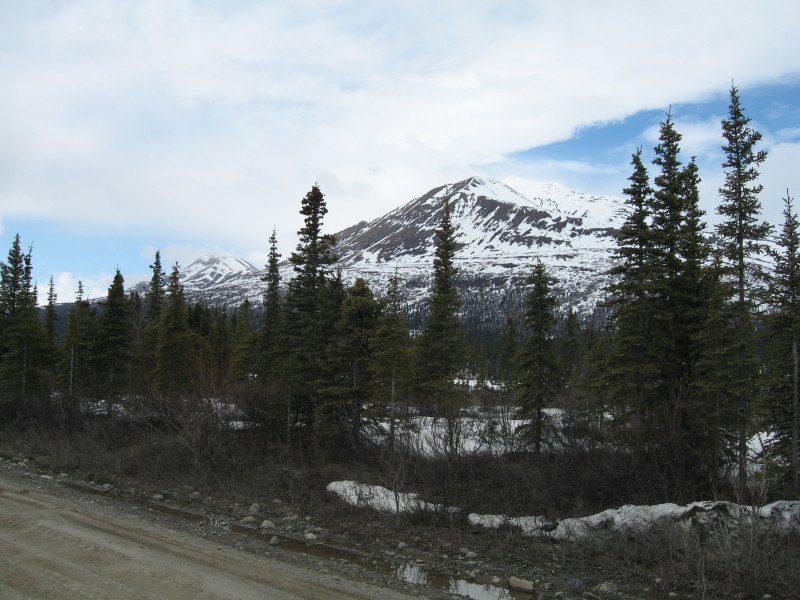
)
(502, 228)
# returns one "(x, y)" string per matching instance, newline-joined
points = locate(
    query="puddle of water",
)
(478, 591)
(408, 572)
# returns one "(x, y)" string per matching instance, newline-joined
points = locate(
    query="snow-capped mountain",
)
(502, 228)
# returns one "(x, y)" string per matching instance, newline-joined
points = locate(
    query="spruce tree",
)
(50, 316)
(390, 350)
(441, 346)
(679, 253)
(309, 307)
(112, 344)
(173, 345)
(270, 323)
(743, 236)
(75, 371)
(243, 346)
(780, 394)
(539, 380)
(155, 293)
(348, 366)
(24, 339)
(633, 364)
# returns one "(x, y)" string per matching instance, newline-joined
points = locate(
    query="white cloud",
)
(211, 123)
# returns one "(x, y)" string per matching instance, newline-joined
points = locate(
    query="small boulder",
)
(402, 546)
(255, 508)
(520, 585)
(606, 588)
(310, 537)
(248, 520)
(157, 497)
(274, 541)
(266, 524)
(470, 555)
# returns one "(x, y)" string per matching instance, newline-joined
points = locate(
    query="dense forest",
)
(693, 352)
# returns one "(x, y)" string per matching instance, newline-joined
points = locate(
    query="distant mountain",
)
(502, 228)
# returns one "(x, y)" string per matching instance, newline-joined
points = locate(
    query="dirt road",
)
(58, 546)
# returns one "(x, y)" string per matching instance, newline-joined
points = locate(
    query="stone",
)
(274, 541)
(402, 546)
(48, 477)
(520, 585)
(470, 555)
(195, 496)
(157, 497)
(310, 537)
(266, 524)
(463, 550)
(472, 575)
(255, 508)
(291, 518)
(547, 585)
(495, 580)
(248, 520)
(606, 588)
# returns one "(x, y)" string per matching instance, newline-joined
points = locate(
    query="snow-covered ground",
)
(781, 516)
(381, 499)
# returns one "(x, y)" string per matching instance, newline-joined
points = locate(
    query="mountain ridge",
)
(501, 229)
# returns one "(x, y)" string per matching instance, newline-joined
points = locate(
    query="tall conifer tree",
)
(441, 346)
(112, 344)
(743, 236)
(782, 387)
(173, 349)
(539, 380)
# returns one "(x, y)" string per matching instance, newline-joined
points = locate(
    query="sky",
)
(196, 127)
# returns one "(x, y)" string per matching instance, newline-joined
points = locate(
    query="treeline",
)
(693, 352)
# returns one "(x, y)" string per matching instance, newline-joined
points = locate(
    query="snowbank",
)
(381, 499)
(781, 516)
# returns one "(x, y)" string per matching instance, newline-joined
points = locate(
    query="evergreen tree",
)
(305, 331)
(270, 324)
(783, 325)
(242, 345)
(349, 359)
(507, 367)
(112, 344)
(633, 362)
(50, 316)
(742, 233)
(390, 350)
(539, 380)
(743, 237)
(441, 350)
(155, 294)
(173, 349)
(75, 372)
(24, 343)
(441, 346)
(714, 388)
(679, 253)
